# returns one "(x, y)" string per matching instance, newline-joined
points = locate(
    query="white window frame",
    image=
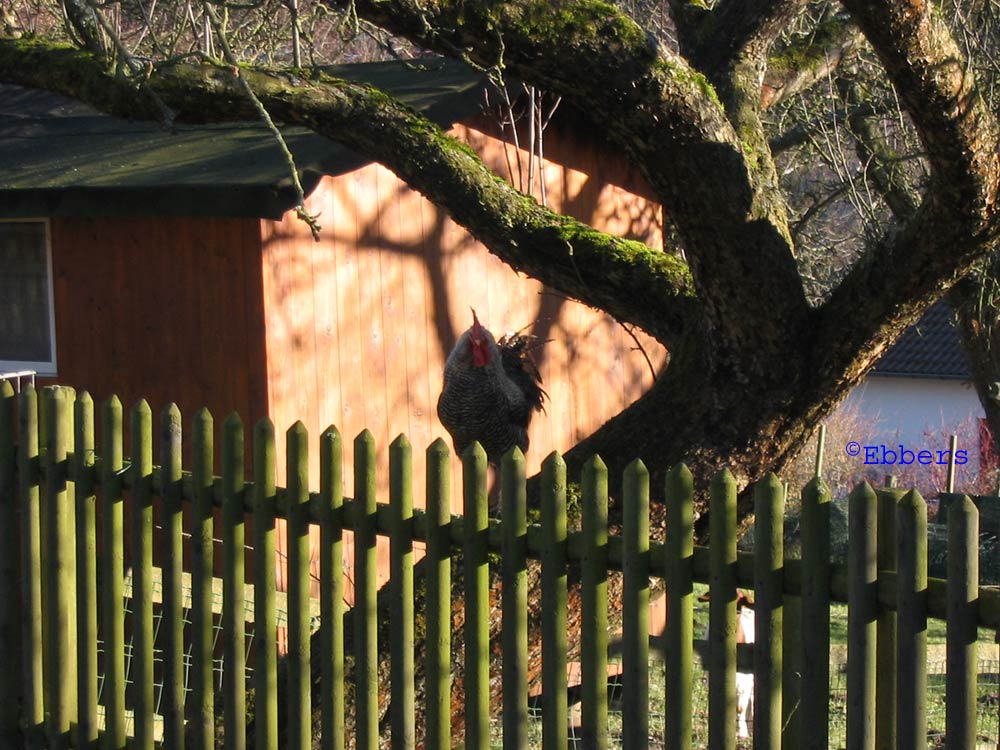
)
(42, 368)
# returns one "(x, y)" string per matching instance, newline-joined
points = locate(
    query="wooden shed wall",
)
(162, 309)
(359, 324)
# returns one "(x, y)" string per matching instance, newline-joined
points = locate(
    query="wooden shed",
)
(171, 266)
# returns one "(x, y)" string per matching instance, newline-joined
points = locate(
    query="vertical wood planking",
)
(265, 609)
(299, 700)
(86, 553)
(594, 618)
(477, 593)
(862, 613)
(331, 563)
(514, 633)
(679, 491)
(58, 673)
(722, 613)
(885, 653)
(113, 575)
(401, 618)
(142, 572)
(911, 627)
(635, 608)
(172, 625)
(769, 595)
(555, 713)
(202, 704)
(10, 628)
(815, 703)
(365, 604)
(234, 655)
(963, 593)
(438, 687)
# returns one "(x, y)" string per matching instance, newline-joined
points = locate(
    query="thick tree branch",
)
(661, 112)
(957, 221)
(649, 288)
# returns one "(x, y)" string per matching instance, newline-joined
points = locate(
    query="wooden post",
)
(885, 653)
(365, 605)
(635, 608)
(438, 689)
(514, 626)
(234, 654)
(477, 593)
(594, 615)
(331, 574)
(679, 493)
(911, 634)
(299, 699)
(265, 609)
(769, 594)
(113, 575)
(722, 613)
(555, 714)
(963, 593)
(10, 627)
(862, 614)
(172, 625)
(401, 619)
(202, 703)
(814, 723)
(142, 573)
(86, 554)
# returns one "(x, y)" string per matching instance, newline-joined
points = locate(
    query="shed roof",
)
(63, 158)
(930, 348)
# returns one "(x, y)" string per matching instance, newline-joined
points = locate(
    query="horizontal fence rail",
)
(65, 505)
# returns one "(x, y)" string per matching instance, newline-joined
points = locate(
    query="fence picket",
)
(635, 608)
(862, 613)
(142, 573)
(297, 496)
(10, 627)
(86, 553)
(365, 605)
(172, 552)
(554, 591)
(58, 673)
(963, 591)
(438, 600)
(265, 609)
(477, 599)
(331, 563)
(202, 703)
(768, 595)
(514, 628)
(113, 573)
(814, 706)
(885, 650)
(679, 494)
(722, 613)
(594, 605)
(401, 617)
(234, 654)
(911, 626)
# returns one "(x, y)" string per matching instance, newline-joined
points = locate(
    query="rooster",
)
(491, 390)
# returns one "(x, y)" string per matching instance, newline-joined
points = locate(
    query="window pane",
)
(24, 293)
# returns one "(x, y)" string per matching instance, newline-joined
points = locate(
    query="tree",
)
(755, 360)
(768, 323)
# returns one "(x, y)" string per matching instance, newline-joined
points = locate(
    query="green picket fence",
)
(55, 490)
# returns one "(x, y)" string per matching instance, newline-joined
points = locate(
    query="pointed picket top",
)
(6, 389)
(439, 448)
(112, 403)
(141, 407)
(364, 439)
(297, 430)
(203, 419)
(263, 429)
(679, 482)
(636, 469)
(171, 412)
(913, 500)
(723, 479)
(331, 433)
(818, 488)
(401, 442)
(474, 452)
(595, 464)
(862, 490)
